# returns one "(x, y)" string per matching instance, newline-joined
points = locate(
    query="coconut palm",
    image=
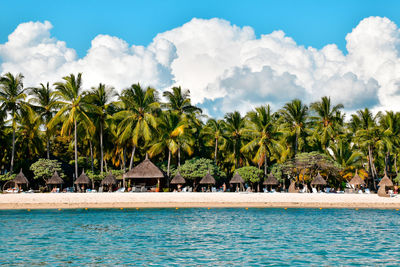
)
(263, 134)
(73, 110)
(12, 96)
(234, 125)
(45, 103)
(99, 103)
(213, 131)
(137, 119)
(172, 135)
(328, 120)
(29, 134)
(295, 120)
(180, 101)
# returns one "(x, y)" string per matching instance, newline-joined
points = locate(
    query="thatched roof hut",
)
(20, 178)
(208, 179)
(55, 179)
(82, 179)
(356, 180)
(146, 169)
(178, 179)
(271, 180)
(385, 182)
(236, 179)
(318, 180)
(109, 180)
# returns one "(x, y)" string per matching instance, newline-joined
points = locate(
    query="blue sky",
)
(310, 22)
(232, 55)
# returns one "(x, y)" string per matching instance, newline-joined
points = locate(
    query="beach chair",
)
(360, 191)
(273, 191)
(190, 189)
(213, 189)
(367, 191)
(265, 190)
(143, 189)
(314, 190)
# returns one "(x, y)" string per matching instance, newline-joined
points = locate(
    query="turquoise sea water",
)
(189, 237)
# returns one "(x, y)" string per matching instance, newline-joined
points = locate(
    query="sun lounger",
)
(367, 191)
(143, 189)
(121, 190)
(360, 191)
(314, 190)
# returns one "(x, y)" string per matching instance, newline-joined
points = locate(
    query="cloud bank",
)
(225, 67)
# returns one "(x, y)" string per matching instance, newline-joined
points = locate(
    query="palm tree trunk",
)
(124, 159)
(179, 156)
(265, 164)
(48, 147)
(105, 165)
(216, 150)
(101, 148)
(169, 162)
(132, 156)
(91, 155)
(76, 151)
(13, 149)
(296, 143)
(373, 169)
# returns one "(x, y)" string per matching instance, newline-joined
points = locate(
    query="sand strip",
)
(187, 200)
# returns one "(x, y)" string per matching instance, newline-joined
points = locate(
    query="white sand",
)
(148, 200)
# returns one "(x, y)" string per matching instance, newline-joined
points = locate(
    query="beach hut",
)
(55, 180)
(82, 181)
(109, 181)
(208, 180)
(20, 180)
(356, 181)
(178, 180)
(145, 174)
(238, 181)
(271, 181)
(318, 181)
(384, 184)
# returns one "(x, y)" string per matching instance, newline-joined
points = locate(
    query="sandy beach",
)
(186, 200)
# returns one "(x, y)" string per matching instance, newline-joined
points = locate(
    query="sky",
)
(232, 55)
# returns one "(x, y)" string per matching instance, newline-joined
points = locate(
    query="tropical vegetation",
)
(101, 130)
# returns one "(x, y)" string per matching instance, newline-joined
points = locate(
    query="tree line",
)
(100, 129)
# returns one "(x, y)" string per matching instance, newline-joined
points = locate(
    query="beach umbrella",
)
(178, 179)
(55, 179)
(318, 180)
(385, 181)
(109, 180)
(20, 179)
(356, 180)
(82, 179)
(207, 179)
(236, 179)
(271, 180)
(292, 187)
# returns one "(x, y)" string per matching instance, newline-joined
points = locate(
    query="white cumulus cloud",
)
(226, 67)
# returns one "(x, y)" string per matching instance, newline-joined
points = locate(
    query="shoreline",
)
(194, 200)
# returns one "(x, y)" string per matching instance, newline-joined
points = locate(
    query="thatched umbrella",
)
(178, 179)
(356, 180)
(271, 181)
(82, 180)
(20, 179)
(55, 180)
(237, 180)
(208, 180)
(382, 191)
(145, 170)
(109, 181)
(318, 180)
(386, 181)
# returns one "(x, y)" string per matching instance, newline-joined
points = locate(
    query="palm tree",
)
(367, 136)
(294, 117)
(390, 127)
(45, 103)
(328, 120)
(180, 101)
(12, 98)
(233, 132)
(29, 134)
(172, 135)
(73, 108)
(213, 130)
(99, 103)
(263, 135)
(138, 120)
